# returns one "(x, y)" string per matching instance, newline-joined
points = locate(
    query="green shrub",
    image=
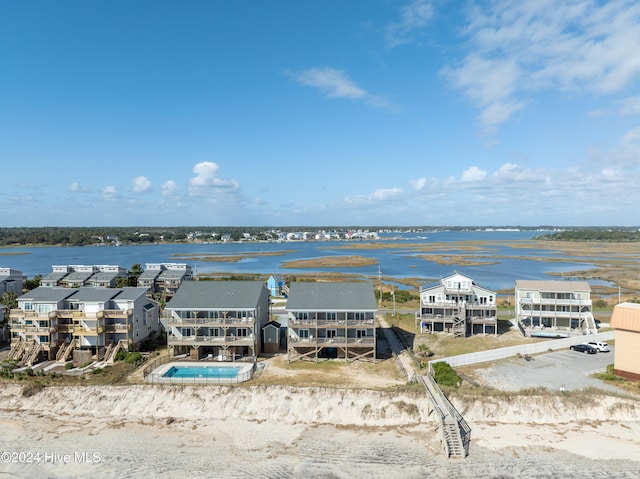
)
(445, 375)
(68, 366)
(32, 388)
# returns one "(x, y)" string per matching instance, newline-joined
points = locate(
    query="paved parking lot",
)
(560, 370)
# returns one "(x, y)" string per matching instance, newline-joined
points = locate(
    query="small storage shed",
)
(271, 337)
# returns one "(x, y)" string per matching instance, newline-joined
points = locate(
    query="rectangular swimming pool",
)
(223, 372)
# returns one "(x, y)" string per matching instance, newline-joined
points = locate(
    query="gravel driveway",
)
(560, 370)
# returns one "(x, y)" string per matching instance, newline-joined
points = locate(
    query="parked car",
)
(584, 348)
(601, 347)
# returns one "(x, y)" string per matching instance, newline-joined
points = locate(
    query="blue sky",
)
(332, 112)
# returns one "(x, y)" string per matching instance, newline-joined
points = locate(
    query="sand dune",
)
(286, 432)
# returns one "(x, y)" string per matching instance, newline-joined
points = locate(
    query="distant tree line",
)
(594, 235)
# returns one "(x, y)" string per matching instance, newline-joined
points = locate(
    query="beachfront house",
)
(626, 320)
(11, 281)
(219, 320)
(457, 305)
(164, 278)
(331, 320)
(554, 308)
(52, 323)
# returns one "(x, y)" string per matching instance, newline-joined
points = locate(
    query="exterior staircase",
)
(31, 356)
(108, 351)
(64, 352)
(111, 358)
(455, 433)
(590, 324)
(17, 350)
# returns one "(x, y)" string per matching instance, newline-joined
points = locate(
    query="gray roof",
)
(77, 276)
(332, 297)
(131, 293)
(104, 276)
(55, 276)
(149, 274)
(552, 286)
(88, 293)
(43, 294)
(217, 295)
(172, 274)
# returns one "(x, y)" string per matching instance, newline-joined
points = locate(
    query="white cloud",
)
(377, 196)
(141, 184)
(473, 174)
(334, 83)
(109, 192)
(525, 46)
(169, 188)
(418, 184)
(208, 182)
(76, 188)
(413, 16)
(626, 106)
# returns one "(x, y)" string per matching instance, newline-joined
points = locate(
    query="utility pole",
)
(380, 284)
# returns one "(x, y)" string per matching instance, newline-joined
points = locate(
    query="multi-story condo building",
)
(219, 320)
(164, 278)
(331, 320)
(457, 305)
(554, 308)
(75, 276)
(51, 322)
(11, 280)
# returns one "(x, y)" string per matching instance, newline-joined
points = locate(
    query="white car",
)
(601, 347)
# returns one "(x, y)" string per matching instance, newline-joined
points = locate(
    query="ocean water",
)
(397, 261)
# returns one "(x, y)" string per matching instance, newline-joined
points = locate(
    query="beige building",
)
(50, 323)
(554, 308)
(626, 320)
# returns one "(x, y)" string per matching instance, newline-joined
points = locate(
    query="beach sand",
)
(287, 432)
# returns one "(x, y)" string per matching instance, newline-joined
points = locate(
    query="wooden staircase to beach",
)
(31, 356)
(455, 433)
(17, 350)
(64, 352)
(111, 357)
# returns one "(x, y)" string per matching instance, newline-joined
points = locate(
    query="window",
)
(242, 332)
(185, 331)
(215, 332)
(303, 316)
(331, 316)
(332, 333)
(360, 316)
(44, 308)
(361, 333)
(303, 333)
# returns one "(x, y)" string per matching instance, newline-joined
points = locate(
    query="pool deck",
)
(157, 376)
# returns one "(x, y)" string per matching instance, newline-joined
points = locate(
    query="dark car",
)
(584, 348)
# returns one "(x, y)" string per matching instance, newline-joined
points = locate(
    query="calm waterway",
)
(396, 261)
